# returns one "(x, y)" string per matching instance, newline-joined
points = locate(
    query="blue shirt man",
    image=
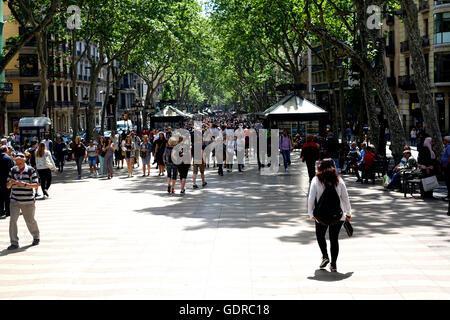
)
(363, 152)
(446, 154)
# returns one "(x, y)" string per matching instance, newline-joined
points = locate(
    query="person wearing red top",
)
(310, 154)
(367, 164)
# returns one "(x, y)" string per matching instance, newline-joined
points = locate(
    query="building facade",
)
(23, 74)
(434, 24)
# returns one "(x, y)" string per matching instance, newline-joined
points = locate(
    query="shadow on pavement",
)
(6, 252)
(324, 275)
(252, 200)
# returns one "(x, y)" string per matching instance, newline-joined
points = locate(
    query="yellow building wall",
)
(10, 29)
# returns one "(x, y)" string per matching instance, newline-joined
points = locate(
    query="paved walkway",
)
(245, 236)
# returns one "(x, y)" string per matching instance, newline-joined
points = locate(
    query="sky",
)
(202, 2)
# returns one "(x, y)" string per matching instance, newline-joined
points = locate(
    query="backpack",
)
(328, 209)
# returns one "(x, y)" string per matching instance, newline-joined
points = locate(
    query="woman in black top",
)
(160, 146)
(129, 148)
(60, 152)
(119, 153)
(78, 154)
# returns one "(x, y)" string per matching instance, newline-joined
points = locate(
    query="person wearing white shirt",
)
(327, 175)
(44, 165)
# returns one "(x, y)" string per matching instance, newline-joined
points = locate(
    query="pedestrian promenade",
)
(244, 236)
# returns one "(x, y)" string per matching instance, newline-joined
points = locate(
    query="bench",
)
(380, 166)
(411, 183)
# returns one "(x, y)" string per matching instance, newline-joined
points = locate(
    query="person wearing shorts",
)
(171, 167)
(199, 166)
(129, 149)
(92, 153)
(183, 168)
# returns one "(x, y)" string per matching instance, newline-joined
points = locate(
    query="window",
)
(66, 93)
(442, 28)
(407, 66)
(425, 27)
(427, 64)
(28, 96)
(58, 93)
(442, 67)
(28, 65)
(391, 39)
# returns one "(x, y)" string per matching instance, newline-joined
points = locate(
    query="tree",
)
(421, 78)
(37, 15)
(110, 31)
(370, 61)
(33, 18)
(247, 75)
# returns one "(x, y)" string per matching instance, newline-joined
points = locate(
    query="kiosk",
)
(30, 127)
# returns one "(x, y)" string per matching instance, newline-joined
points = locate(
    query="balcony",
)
(390, 51)
(425, 41)
(406, 83)
(32, 43)
(404, 46)
(6, 88)
(18, 106)
(57, 74)
(390, 20)
(424, 5)
(441, 3)
(59, 104)
(317, 67)
(15, 74)
(392, 82)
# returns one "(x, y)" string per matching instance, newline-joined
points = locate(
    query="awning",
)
(295, 108)
(34, 122)
(171, 111)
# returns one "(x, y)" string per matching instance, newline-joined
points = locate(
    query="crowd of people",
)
(326, 159)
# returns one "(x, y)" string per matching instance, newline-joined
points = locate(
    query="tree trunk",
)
(378, 79)
(91, 133)
(116, 94)
(369, 98)
(105, 103)
(421, 78)
(342, 105)
(42, 50)
(75, 110)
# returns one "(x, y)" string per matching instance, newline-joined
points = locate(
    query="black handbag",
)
(348, 228)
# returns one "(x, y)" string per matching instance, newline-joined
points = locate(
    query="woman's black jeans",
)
(45, 175)
(334, 242)
(79, 161)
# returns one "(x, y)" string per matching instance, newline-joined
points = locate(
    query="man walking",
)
(6, 163)
(22, 180)
(199, 166)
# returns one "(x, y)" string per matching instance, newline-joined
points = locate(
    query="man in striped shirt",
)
(22, 181)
